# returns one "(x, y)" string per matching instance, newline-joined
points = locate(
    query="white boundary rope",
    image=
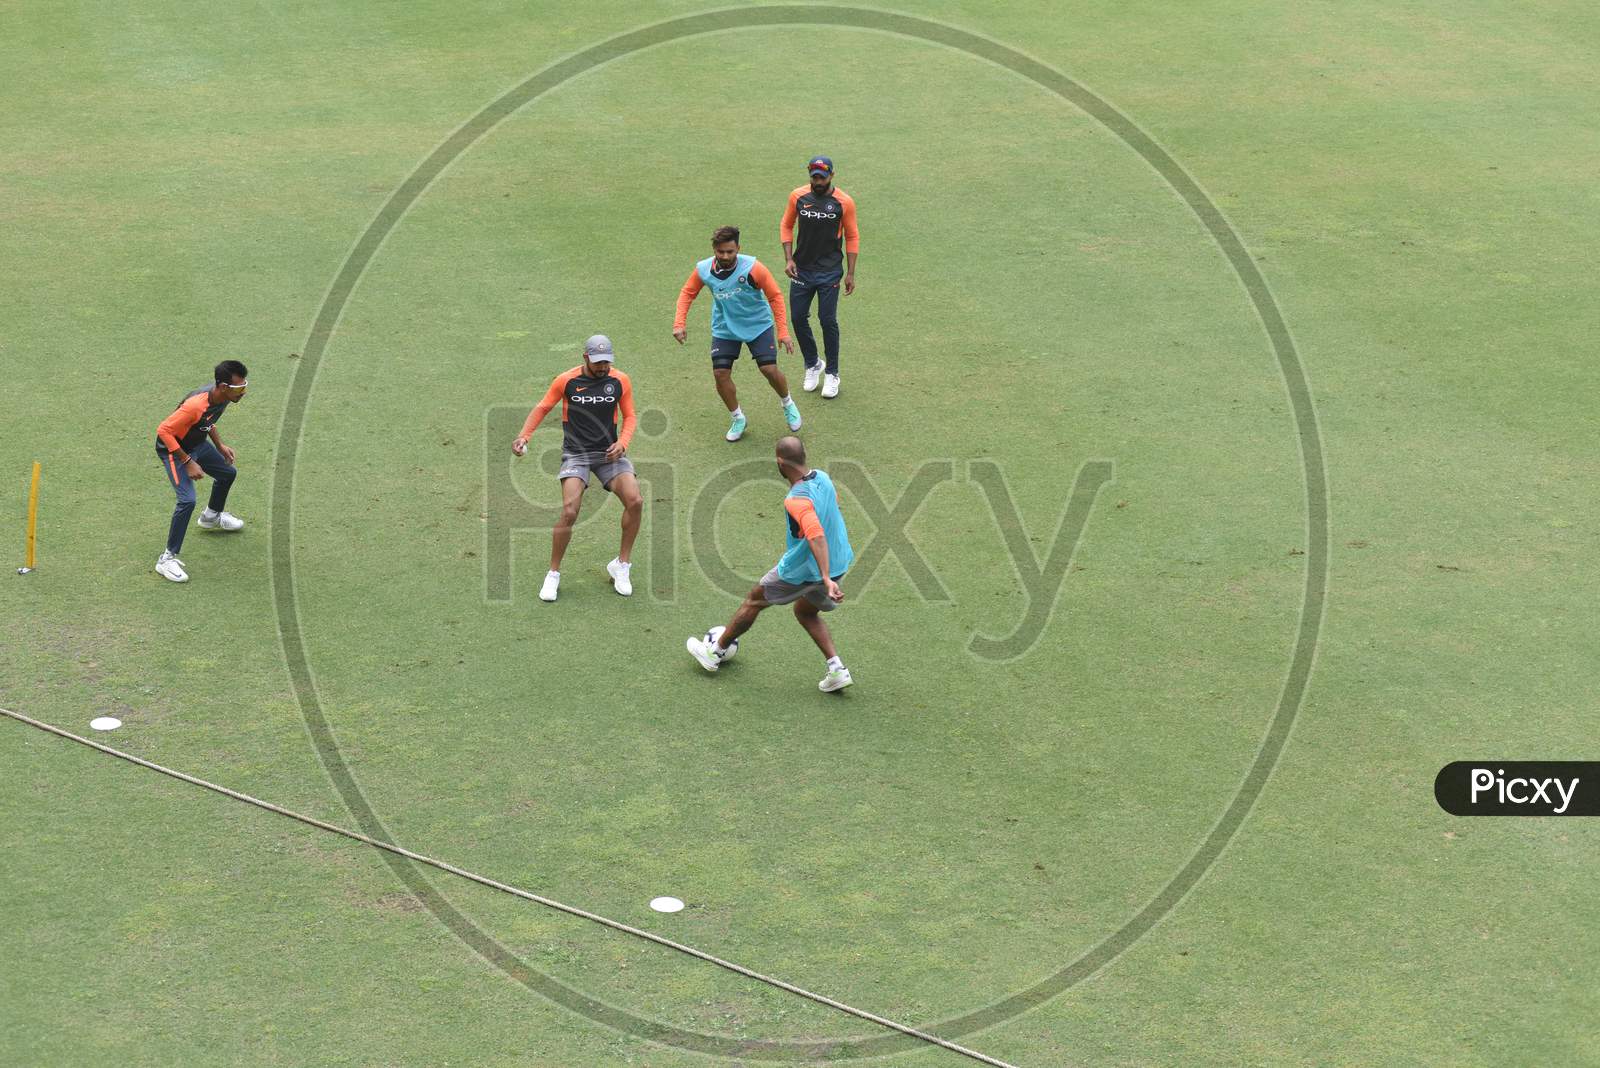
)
(526, 895)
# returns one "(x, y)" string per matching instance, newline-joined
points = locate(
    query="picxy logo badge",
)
(1519, 788)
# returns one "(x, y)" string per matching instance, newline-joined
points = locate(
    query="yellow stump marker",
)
(33, 519)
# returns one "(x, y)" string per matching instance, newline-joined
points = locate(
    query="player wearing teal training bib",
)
(807, 575)
(746, 310)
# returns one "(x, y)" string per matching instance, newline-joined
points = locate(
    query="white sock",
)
(552, 574)
(835, 664)
(787, 399)
(624, 564)
(208, 513)
(737, 413)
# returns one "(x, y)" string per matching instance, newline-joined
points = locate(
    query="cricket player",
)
(189, 448)
(807, 575)
(820, 242)
(592, 396)
(746, 309)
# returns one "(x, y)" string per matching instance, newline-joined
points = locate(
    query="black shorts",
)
(763, 349)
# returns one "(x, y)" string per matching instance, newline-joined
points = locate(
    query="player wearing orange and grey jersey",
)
(747, 310)
(189, 448)
(820, 240)
(592, 397)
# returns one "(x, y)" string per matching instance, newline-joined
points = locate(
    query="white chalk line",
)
(526, 895)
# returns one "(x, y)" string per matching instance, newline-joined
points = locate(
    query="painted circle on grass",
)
(911, 27)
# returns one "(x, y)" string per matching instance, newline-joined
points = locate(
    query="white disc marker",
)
(105, 723)
(666, 904)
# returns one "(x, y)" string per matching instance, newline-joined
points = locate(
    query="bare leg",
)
(811, 619)
(725, 387)
(571, 494)
(626, 487)
(780, 384)
(744, 616)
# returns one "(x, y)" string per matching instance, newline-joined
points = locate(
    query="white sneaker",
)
(552, 582)
(621, 580)
(830, 386)
(813, 376)
(210, 520)
(835, 679)
(171, 568)
(706, 653)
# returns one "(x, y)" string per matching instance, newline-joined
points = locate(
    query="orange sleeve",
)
(686, 296)
(803, 512)
(556, 394)
(625, 435)
(790, 215)
(769, 285)
(847, 224)
(181, 421)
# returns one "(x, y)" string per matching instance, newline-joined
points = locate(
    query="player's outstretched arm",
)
(551, 398)
(852, 240)
(686, 295)
(786, 234)
(780, 318)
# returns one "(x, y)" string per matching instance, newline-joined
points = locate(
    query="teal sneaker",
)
(736, 428)
(791, 412)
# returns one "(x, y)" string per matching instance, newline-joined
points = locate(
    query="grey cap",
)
(598, 350)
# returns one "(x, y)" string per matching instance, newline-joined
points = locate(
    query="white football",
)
(716, 632)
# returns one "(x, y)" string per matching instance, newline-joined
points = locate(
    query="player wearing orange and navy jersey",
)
(189, 448)
(746, 309)
(815, 558)
(595, 398)
(820, 238)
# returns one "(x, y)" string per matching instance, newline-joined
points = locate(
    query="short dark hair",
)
(724, 233)
(226, 371)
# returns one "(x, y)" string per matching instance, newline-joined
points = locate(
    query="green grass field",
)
(1414, 182)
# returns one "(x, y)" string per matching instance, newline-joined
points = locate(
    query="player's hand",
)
(834, 592)
(196, 473)
(788, 346)
(519, 447)
(681, 334)
(616, 450)
(227, 453)
(849, 284)
(790, 269)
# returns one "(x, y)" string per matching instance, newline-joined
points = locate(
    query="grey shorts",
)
(777, 591)
(578, 465)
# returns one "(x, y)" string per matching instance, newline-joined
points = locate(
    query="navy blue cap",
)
(820, 165)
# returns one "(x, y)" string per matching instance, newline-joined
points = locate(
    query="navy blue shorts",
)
(763, 349)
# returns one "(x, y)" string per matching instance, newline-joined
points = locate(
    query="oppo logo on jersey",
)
(587, 398)
(809, 214)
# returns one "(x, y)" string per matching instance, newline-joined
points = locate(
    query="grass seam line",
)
(527, 895)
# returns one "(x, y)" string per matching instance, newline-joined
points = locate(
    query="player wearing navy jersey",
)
(189, 448)
(592, 397)
(820, 242)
